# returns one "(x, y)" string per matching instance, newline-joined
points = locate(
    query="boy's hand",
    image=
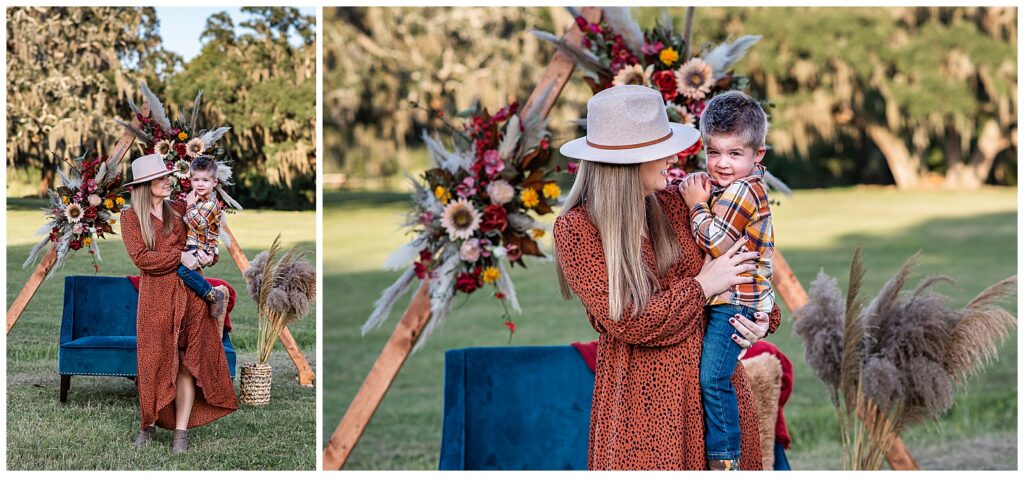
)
(695, 188)
(204, 258)
(191, 198)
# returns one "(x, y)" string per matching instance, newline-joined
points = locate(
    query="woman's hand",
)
(720, 274)
(749, 332)
(189, 260)
(204, 258)
(695, 188)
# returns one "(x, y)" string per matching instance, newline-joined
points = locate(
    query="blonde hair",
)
(142, 202)
(617, 205)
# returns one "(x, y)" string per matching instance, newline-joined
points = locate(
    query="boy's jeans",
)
(194, 279)
(717, 362)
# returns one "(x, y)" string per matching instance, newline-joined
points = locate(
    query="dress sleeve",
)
(153, 262)
(673, 313)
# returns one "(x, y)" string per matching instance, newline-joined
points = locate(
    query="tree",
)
(918, 83)
(69, 71)
(377, 61)
(264, 88)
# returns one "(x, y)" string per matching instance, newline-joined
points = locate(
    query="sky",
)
(180, 27)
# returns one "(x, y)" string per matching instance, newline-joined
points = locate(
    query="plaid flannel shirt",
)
(737, 210)
(203, 220)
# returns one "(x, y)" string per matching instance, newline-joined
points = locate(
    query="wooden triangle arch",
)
(306, 375)
(416, 316)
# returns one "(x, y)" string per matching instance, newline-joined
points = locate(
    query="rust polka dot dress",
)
(646, 410)
(173, 318)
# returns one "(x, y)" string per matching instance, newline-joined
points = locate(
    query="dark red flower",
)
(665, 80)
(581, 22)
(180, 149)
(90, 213)
(426, 255)
(594, 28)
(420, 269)
(694, 149)
(511, 326)
(495, 218)
(75, 244)
(499, 295)
(572, 167)
(545, 143)
(467, 282)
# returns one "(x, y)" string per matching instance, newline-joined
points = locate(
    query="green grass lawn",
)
(96, 427)
(969, 235)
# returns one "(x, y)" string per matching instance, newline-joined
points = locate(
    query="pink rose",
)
(470, 250)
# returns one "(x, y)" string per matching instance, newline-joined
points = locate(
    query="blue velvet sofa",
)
(97, 333)
(519, 408)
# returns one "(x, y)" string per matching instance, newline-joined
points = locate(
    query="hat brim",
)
(683, 137)
(147, 179)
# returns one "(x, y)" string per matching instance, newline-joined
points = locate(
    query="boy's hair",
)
(734, 113)
(204, 163)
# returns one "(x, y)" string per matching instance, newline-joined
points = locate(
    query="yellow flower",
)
(64, 199)
(537, 233)
(108, 204)
(442, 194)
(551, 190)
(490, 275)
(86, 242)
(119, 201)
(113, 221)
(668, 56)
(530, 198)
(182, 136)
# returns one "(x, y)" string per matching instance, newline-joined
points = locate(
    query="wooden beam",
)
(793, 294)
(39, 274)
(417, 315)
(306, 375)
(379, 380)
(30, 288)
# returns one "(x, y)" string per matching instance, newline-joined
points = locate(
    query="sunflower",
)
(694, 79)
(162, 147)
(634, 74)
(195, 147)
(460, 219)
(181, 169)
(74, 212)
(683, 115)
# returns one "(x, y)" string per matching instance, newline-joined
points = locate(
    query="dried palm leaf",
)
(583, 58)
(853, 331)
(621, 21)
(195, 111)
(973, 340)
(156, 109)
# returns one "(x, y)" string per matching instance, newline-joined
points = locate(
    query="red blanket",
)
(213, 281)
(588, 351)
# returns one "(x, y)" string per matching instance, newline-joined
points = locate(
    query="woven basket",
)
(255, 383)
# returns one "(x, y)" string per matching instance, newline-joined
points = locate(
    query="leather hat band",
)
(632, 146)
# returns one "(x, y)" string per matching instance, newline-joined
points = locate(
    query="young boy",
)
(733, 128)
(202, 217)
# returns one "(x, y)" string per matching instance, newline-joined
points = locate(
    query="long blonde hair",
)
(142, 202)
(617, 205)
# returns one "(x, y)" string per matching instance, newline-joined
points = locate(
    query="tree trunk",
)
(905, 168)
(46, 180)
(973, 173)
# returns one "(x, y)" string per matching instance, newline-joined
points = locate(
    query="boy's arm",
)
(200, 215)
(717, 228)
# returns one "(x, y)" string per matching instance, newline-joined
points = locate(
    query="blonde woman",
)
(183, 377)
(624, 247)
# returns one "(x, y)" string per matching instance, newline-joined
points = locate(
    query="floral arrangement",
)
(894, 362)
(178, 143)
(474, 211)
(615, 51)
(284, 288)
(80, 211)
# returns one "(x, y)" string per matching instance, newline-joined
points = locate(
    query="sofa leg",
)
(65, 383)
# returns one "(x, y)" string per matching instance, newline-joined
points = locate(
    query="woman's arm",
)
(671, 315)
(153, 262)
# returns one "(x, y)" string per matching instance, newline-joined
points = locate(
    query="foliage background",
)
(907, 96)
(71, 70)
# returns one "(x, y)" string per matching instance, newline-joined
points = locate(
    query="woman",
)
(183, 374)
(623, 245)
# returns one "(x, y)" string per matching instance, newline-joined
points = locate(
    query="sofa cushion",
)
(501, 410)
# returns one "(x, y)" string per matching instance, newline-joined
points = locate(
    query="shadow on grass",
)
(25, 203)
(977, 251)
